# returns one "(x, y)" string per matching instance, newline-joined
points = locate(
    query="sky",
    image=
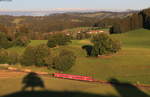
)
(74, 4)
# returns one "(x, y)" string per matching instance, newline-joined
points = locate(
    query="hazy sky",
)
(91, 4)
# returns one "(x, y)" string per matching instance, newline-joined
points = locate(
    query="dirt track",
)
(10, 74)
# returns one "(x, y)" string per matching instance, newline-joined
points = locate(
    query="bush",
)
(49, 61)
(28, 57)
(41, 52)
(64, 61)
(104, 44)
(35, 55)
(3, 56)
(115, 45)
(4, 41)
(51, 42)
(22, 41)
(62, 39)
(9, 57)
(13, 57)
(58, 39)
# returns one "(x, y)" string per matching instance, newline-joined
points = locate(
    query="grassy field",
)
(55, 85)
(125, 65)
(131, 64)
(65, 88)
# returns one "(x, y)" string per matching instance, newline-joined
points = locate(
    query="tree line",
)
(136, 21)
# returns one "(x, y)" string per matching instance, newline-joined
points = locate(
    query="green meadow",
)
(131, 64)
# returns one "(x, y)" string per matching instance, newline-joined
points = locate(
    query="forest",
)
(136, 21)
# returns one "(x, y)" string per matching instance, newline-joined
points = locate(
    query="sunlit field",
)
(131, 65)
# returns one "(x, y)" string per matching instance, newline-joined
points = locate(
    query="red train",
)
(74, 77)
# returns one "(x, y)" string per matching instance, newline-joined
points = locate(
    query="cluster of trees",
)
(136, 21)
(6, 42)
(58, 39)
(64, 60)
(129, 23)
(103, 44)
(146, 18)
(35, 55)
(9, 39)
(40, 56)
(9, 57)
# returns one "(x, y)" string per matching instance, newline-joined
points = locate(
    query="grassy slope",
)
(135, 39)
(130, 64)
(125, 65)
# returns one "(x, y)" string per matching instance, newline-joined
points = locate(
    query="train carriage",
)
(74, 77)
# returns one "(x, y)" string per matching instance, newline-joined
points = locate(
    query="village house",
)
(95, 31)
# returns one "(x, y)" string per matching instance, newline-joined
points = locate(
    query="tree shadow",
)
(88, 49)
(32, 80)
(124, 89)
(127, 89)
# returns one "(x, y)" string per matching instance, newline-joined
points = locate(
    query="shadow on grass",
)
(88, 49)
(53, 94)
(127, 89)
(32, 80)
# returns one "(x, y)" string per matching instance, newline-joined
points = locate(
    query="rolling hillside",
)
(125, 65)
(131, 65)
(61, 21)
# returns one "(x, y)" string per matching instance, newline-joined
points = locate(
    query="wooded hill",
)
(57, 22)
(137, 20)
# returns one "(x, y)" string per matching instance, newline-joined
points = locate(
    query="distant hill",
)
(104, 14)
(83, 13)
(36, 25)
